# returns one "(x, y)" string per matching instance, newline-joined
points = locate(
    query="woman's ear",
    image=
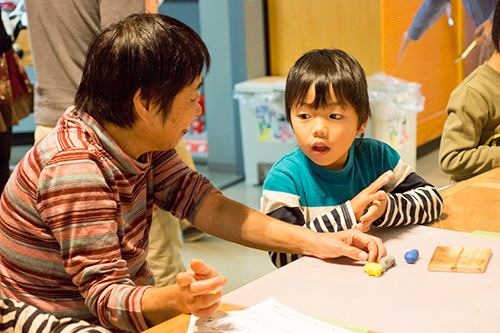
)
(362, 128)
(141, 107)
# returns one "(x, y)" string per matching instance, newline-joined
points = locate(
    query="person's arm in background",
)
(428, 13)
(484, 29)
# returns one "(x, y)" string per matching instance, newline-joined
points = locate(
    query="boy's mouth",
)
(320, 149)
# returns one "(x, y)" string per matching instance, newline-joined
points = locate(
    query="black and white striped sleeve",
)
(286, 207)
(412, 201)
(21, 317)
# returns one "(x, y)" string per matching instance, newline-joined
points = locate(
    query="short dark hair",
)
(155, 54)
(495, 30)
(322, 67)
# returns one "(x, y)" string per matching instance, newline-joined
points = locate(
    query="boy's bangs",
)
(323, 98)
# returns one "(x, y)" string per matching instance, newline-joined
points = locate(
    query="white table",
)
(407, 298)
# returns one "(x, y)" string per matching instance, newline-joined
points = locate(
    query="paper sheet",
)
(268, 316)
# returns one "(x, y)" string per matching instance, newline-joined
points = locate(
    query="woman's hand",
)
(201, 289)
(351, 243)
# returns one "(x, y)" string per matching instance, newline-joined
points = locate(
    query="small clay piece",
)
(373, 269)
(387, 262)
(411, 256)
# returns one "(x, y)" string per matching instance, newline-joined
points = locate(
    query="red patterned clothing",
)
(75, 218)
(16, 91)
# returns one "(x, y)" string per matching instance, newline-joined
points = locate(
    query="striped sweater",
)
(18, 317)
(298, 191)
(74, 223)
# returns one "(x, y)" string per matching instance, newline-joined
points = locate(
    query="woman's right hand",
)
(201, 289)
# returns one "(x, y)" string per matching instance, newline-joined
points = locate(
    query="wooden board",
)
(459, 259)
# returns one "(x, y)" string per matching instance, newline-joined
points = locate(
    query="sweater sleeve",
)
(285, 205)
(411, 200)
(178, 189)
(21, 317)
(79, 207)
(461, 153)
(428, 13)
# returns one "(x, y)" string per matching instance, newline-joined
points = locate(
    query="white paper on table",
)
(268, 316)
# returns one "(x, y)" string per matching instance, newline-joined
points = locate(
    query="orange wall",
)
(429, 61)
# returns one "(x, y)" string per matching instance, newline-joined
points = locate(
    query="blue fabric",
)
(431, 10)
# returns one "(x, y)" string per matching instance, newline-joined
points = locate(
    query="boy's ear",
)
(362, 128)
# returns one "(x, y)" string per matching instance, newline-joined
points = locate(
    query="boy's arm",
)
(410, 199)
(339, 218)
(286, 206)
(461, 153)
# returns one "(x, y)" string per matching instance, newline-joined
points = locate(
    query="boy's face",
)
(325, 134)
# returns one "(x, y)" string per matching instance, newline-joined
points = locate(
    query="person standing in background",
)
(60, 32)
(16, 99)
(481, 12)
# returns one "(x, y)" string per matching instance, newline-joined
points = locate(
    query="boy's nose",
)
(319, 129)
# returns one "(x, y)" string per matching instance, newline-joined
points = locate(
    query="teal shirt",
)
(300, 192)
(316, 186)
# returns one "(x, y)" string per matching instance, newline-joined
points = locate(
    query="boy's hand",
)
(376, 210)
(374, 196)
(201, 289)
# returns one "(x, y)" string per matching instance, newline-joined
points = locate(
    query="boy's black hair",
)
(155, 54)
(322, 68)
(495, 30)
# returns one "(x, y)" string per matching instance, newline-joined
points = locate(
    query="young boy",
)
(470, 140)
(327, 182)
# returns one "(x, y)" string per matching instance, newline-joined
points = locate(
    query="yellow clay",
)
(373, 269)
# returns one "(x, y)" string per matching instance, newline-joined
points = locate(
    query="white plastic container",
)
(395, 104)
(266, 135)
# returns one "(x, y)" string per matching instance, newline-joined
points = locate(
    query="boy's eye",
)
(335, 116)
(304, 116)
